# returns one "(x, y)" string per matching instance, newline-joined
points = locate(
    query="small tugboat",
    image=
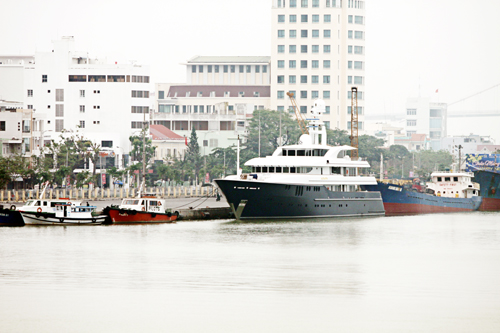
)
(65, 214)
(143, 209)
(10, 217)
(447, 192)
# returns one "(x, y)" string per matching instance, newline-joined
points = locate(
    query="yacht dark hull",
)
(10, 217)
(261, 200)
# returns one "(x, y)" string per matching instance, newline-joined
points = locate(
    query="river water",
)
(428, 273)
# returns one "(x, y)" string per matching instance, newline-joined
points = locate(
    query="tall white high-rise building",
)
(318, 51)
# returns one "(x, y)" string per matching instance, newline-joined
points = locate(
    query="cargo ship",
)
(447, 192)
(489, 181)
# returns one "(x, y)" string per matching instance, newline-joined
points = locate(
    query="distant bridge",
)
(469, 109)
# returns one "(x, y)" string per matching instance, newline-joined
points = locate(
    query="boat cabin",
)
(145, 204)
(453, 185)
(67, 210)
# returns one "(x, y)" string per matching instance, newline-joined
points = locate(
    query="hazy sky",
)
(412, 45)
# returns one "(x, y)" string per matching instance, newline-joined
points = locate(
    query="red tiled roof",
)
(160, 132)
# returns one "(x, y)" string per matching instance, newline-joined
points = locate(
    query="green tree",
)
(266, 125)
(137, 150)
(193, 160)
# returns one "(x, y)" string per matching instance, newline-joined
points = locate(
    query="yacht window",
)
(284, 152)
(308, 152)
(292, 170)
(45, 203)
(142, 203)
(271, 169)
(446, 179)
(439, 179)
(131, 202)
(258, 169)
(301, 152)
(306, 169)
(264, 169)
(278, 169)
(153, 203)
(455, 179)
(336, 170)
(286, 169)
(37, 203)
(291, 152)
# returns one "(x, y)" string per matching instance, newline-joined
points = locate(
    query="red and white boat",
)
(143, 209)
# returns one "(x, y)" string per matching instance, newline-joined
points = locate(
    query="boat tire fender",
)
(13, 207)
(93, 220)
(176, 213)
(169, 214)
(153, 215)
(143, 209)
(61, 220)
(39, 209)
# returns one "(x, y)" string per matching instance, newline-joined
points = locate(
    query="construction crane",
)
(298, 115)
(354, 123)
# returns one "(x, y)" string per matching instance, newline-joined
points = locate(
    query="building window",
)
(349, 80)
(315, 3)
(349, 49)
(292, 48)
(349, 64)
(292, 33)
(326, 48)
(358, 65)
(326, 94)
(233, 68)
(303, 18)
(315, 63)
(193, 69)
(116, 78)
(107, 144)
(303, 64)
(411, 112)
(242, 68)
(303, 109)
(349, 19)
(2, 126)
(292, 64)
(200, 69)
(44, 78)
(264, 68)
(314, 94)
(249, 68)
(59, 95)
(358, 34)
(326, 79)
(303, 33)
(303, 49)
(291, 79)
(209, 68)
(303, 3)
(293, 3)
(303, 94)
(281, 49)
(226, 68)
(303, 79)
(358, 80)
(326, 63)
(358, 49)
(315, 79)
(281, 33)
(281, 79)
(30, 92)
(315, 33)
(77, 78)
(349, 34)
(315, 48)
(82, 123)
(315, 19)
(327, 18)
(281, 18)
(82, 108)
(59, 125)
(411, 123)
(257, 68)
(327, 33)
(59, 110)
(281, 94)
(327, 110)
(293, 18)
(358, 19)
(216, 68)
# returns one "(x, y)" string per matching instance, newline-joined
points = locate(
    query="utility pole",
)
(459, 157)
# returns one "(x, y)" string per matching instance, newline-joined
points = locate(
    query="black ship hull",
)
(261, 200)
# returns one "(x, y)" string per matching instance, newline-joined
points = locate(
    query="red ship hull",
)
(393, 209)
(490, 205)
(132, 216)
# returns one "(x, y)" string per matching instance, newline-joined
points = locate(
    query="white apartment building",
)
(228, 70)
(425, 117)
(219, 98)
(104, 102)
(318, 51)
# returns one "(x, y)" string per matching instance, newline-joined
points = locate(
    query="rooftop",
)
(229, 59)
(160, 132)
